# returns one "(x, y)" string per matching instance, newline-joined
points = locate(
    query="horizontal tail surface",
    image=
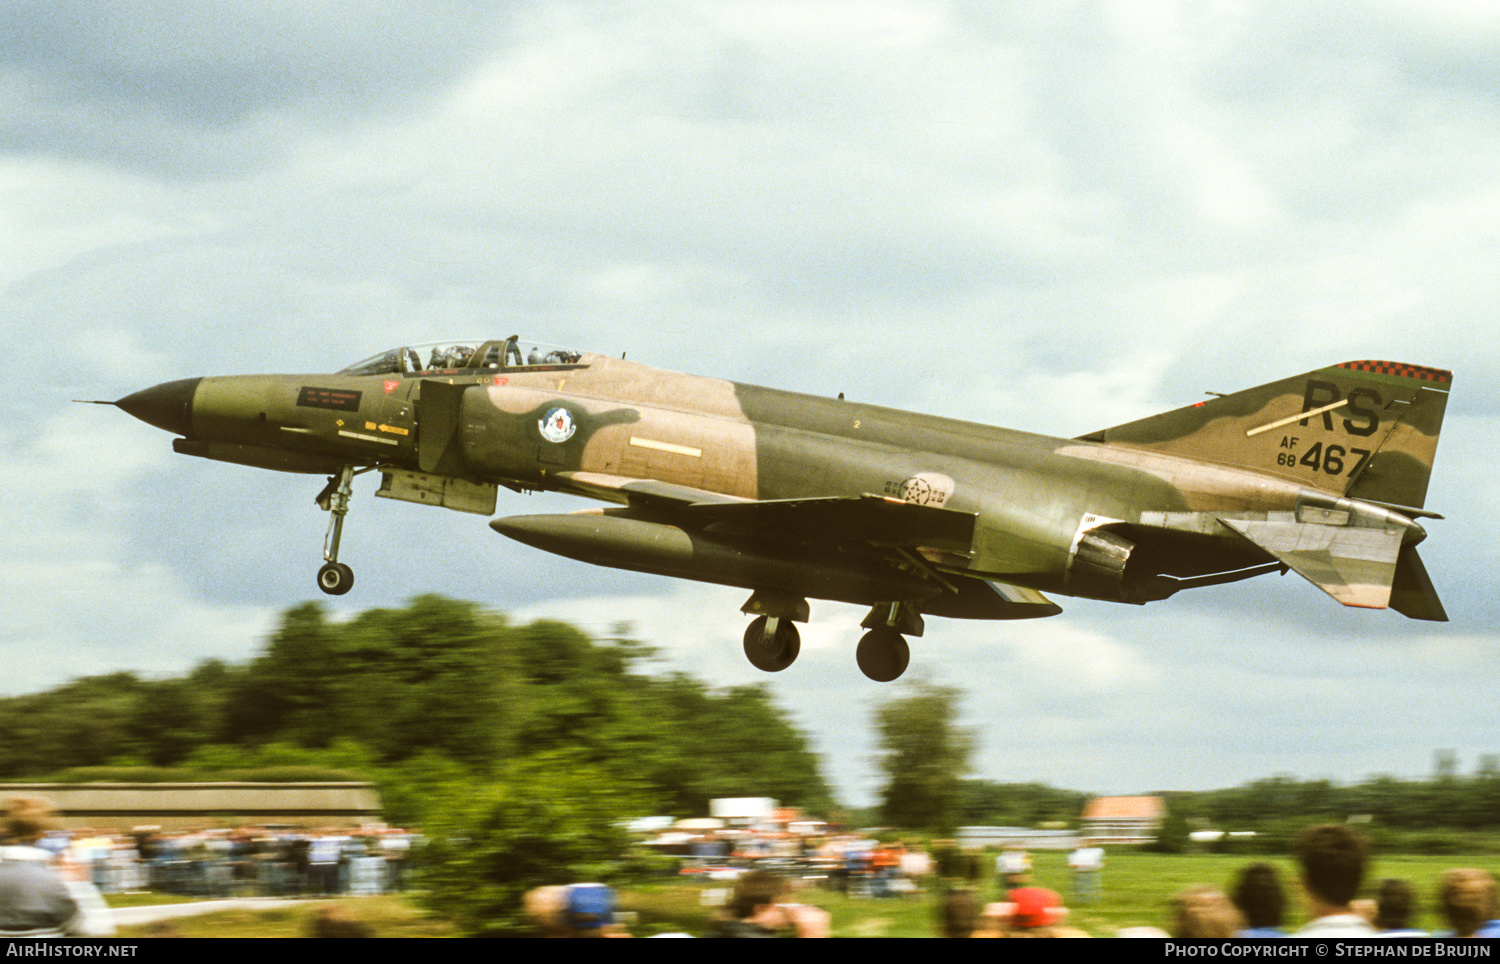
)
(1354, 564)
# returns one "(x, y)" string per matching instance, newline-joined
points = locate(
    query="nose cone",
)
(168, 406)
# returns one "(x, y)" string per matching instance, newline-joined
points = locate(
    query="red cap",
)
(1036, 907)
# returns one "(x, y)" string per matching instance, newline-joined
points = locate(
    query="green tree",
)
(925, 756)
(1172, 837)
(82, 723)
(1017, 804)
(288, 691)
(549, 819)
(171, 718)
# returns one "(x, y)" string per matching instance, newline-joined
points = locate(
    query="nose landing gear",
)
(334, 577)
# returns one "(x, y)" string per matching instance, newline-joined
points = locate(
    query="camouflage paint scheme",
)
(795, 496)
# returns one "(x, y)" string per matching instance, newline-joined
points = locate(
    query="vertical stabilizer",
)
(1366, 429)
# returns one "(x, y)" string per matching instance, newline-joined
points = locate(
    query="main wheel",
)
(335, 578)
(882, 655)
(777, 653)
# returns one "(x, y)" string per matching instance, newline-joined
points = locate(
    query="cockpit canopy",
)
(451, 356)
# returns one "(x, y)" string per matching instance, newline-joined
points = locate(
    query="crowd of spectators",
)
(1332, 860)
(852, 864)
(244, 862)
(51, 881)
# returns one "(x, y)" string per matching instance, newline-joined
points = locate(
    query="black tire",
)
(882, 655)
(335, 578)
(783, 649)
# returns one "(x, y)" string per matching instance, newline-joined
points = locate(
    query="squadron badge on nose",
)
(557, 425)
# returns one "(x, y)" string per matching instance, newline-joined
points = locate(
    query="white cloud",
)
(1054, 218)
(75, 604)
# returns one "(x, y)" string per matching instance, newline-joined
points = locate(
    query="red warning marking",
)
(1437, 375)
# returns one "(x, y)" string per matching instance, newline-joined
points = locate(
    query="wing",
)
(840, 521)
(641, 493)
(886, 539)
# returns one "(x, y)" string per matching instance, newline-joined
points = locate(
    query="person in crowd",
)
(1087, 864)
(1333, 859)
(545, 907)
(1393, 908)
(958, 913)
(1259, 898)
(1038, 912)
(35, 898)
(885, 862)
(1467, 896)
(1205, 911)
(1013, 867)
(756, 909)
(916, 866)
(590, 911)
(573, 910)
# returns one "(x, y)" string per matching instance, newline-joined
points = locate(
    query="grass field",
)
(1138, 887)
(387, 916)
(1137, 890)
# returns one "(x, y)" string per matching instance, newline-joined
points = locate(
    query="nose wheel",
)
(334, 577)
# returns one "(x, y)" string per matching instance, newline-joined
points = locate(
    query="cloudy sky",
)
(1054, 216)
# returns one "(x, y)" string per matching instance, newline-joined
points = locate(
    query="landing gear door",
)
(440, 490)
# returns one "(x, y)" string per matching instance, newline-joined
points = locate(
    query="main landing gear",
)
(882, 653)
(772, 641)
(334, 577)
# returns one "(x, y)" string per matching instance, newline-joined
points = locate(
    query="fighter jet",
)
(795, 496)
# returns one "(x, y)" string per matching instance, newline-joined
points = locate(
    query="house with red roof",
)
(1123, 820)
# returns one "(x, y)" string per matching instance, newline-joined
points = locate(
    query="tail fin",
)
(1366, 429)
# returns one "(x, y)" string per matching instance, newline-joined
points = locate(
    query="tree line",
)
(441, 686)
(436, 687)
(926, 758)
